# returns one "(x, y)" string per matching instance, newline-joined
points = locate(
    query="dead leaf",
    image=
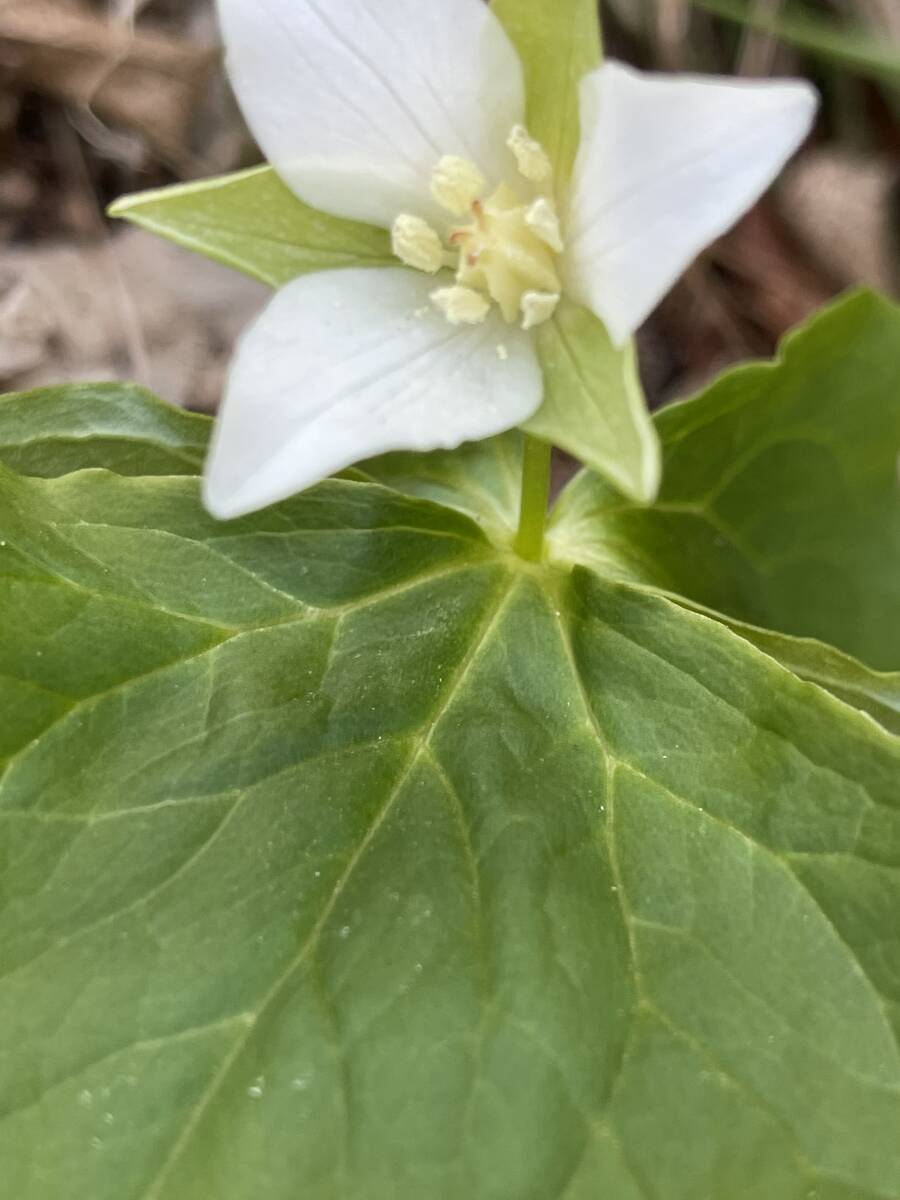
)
(144, 82)
(128, 308)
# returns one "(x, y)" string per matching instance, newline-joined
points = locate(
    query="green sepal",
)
(252, 222)
(594, 404)
(558, 44)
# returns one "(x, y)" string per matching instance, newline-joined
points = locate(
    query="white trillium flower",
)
(410, 115)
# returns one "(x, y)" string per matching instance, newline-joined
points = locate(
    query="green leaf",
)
(847, 46)
(558, 44)
(251, 221)
(594, 405)
(54, 430)
(875, 692)
(123, 428)
(780, 504)
(482, 479)
(345, 855)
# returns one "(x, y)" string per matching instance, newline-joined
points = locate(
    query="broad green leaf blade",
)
(780, 503)
(123, 428)
(558, 44)
(594, 405)
(729, 899)
(482, 479)
(344, 853)
(251, 221)
(851, 47)
(875, 692)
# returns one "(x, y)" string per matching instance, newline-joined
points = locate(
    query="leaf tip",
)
(643, 486)
(118, 210)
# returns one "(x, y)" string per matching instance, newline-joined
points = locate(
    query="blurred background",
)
(103, 97)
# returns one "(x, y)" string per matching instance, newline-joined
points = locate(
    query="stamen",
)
(531, 156)
(416, 244)
(541, 218)
(456, 184)
(538, 307)
(461, 305)
(502, 251)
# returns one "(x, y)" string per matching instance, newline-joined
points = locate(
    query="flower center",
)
(505, 252)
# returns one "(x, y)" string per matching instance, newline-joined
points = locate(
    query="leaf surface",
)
(343, 851)
(874, 692)
(780, 504)
(252, 222)
(481, 479)
(55, 430)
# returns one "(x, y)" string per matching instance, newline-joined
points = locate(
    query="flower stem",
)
(529, 541)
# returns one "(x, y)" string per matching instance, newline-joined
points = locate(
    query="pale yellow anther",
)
(456, 184)
(416, 244)
(531, 157)
(461, 305)
(505, 250)
(542, 220)
(538, 307)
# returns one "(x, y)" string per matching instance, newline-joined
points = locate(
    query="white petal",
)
(354, 102)
(667, 164)
(344, 365)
